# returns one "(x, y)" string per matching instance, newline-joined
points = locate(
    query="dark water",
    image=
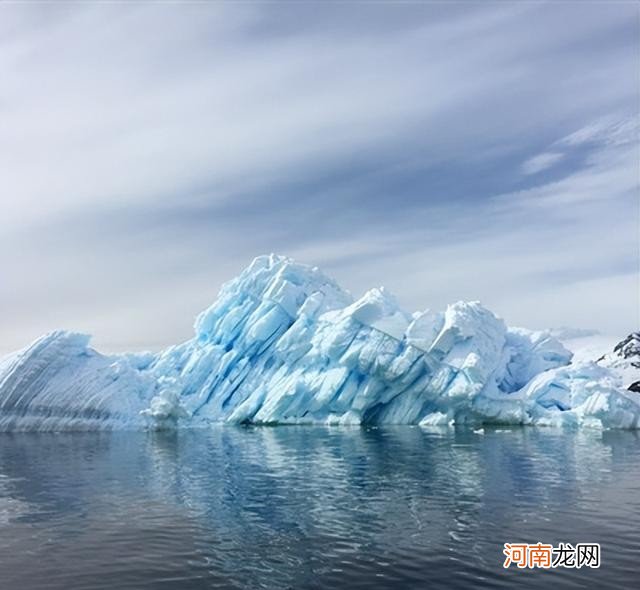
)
(311, 507)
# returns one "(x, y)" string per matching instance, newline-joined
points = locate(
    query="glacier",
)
(284, 344)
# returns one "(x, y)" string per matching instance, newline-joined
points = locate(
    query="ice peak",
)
(273, 281)
(379, 309)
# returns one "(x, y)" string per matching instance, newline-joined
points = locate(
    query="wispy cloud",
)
(612, 130)
(148, 151)
(541, 162)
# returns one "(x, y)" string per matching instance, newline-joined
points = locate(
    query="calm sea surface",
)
(306, 507)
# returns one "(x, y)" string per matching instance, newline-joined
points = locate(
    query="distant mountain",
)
(625, 360)
(568, 333)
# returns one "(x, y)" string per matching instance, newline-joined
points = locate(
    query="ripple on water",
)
(313, 508)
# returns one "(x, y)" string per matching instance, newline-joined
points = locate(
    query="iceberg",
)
(284, 344)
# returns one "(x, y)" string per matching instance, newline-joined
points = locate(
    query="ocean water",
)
(311, 507)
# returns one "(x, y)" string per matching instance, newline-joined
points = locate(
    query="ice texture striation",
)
(284, 344)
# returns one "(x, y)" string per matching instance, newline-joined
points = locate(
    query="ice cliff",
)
(284, 344)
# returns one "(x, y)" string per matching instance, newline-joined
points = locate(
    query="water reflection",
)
(309, 507)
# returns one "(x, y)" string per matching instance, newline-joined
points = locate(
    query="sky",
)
(480, 151)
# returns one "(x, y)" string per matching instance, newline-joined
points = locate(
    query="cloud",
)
(541, 162)
(611, 129)
(149, 151)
